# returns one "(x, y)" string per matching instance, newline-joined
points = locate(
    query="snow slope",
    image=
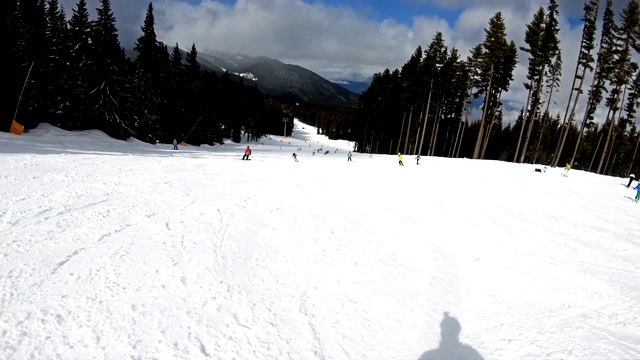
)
(120, 249)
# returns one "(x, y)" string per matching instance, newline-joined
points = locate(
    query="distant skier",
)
(418, 160)
(631, 177)
(295, 157)
(313, 153)
(349, 156)
(638, 192)
(400, 159)
(175, 145)
(567, 167)
(247, 153)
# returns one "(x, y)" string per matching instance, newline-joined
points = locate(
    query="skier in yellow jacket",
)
(400, 159)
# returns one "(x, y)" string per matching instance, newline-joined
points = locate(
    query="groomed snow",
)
(114, 249)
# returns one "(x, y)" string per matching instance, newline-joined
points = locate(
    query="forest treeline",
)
(78, 77)
(426, 106)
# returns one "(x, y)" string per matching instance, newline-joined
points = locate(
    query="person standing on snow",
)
(631, 177)
(349, 156)
(247, 153)
(638, 192)
(400, 159)
(295, 157)
(175, 144)
(418, 160)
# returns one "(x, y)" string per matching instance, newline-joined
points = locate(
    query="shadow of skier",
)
(450, 345)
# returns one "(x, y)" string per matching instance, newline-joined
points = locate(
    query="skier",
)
(349, 156)
(631, 177)
(313, 153)
(295, 157)
(247, 153)
(418, 160)
(400, 159)
(568, 167)
(175, 144)
(638, 192)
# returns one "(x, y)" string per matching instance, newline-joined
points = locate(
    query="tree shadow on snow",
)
(450, 345)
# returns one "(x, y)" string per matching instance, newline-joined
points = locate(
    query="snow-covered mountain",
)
(279, 79)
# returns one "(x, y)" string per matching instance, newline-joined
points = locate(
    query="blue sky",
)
(347, 40)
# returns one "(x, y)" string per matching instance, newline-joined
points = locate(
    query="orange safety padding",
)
(16, 128)
(183, 144)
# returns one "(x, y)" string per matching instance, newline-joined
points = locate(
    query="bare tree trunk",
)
(606, 164)
(595, 151)
(524, 121)
(609, 135)
(633, 158)
(419, 123)
(567, 122)
(476, 150)
(436, 125)
(406, 140)
(426, 118)
(401, 130)
(464, 112)
(493, 120)
(455, 144)
(532, 116)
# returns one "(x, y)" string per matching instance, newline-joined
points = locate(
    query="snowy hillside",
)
(121, 249)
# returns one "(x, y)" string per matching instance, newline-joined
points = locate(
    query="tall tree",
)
(56, 70)
(498, 62)
(10, 24)
(151, 67)
(584, 63)
(549, 50)
(33, 45)
(533, 39)
(79, 37)
(602, 73)
(628, 40)
(107, 78)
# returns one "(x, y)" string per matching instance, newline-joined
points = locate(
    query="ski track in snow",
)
(146, 253)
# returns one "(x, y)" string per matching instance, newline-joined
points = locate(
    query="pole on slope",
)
(194, 126)
(22, 91)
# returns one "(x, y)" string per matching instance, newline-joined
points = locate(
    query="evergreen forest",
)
(74, 74)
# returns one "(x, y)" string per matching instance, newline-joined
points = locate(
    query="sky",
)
(121, 249)
(353, 39)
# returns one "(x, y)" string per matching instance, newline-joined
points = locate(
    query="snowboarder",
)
(295, 157)
(631, 177)
(638, 192)
(349, 156)
(400, 159)
(418, 160)
(247, 153)
(175, 145)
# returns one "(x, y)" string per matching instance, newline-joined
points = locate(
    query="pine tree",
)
(151, 66)
(532, 37)
(9, 31)
(107, 78)
(584, 63)
(32, 43)
(79, 37)
(175, 97)
(56, 70)
(497, 62)
(549, 47)
(628, 39)
(602, 72)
